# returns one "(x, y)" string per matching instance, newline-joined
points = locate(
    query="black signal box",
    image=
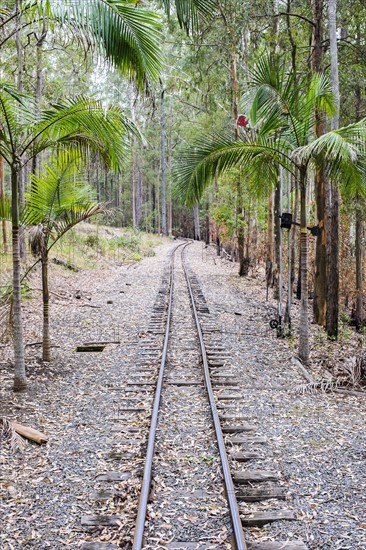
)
(286, 220)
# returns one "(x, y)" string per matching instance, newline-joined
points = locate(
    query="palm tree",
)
(282, 116)
(57, 202)
(80, 124)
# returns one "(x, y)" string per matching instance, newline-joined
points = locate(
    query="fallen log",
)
(29, 433)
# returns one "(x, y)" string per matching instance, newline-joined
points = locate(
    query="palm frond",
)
(342, 153)
(16, 110)
(197, 166)
(128, 35)
(58, 200)
(83, 122)
(8, 433)
(5, 209)
(189, 11)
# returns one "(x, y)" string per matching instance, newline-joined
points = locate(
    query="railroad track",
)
(195, 431)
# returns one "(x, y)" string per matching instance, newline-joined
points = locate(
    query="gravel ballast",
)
(316, 442)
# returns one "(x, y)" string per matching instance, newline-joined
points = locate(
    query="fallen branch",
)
(351, 392)
(102, 343)
(302, 369)
(29, 433)
(324, 385)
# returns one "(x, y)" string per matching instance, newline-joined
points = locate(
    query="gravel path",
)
(316, 442)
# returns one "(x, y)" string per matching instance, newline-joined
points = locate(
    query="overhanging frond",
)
(198, 165)
(189, 11)
(128, 35)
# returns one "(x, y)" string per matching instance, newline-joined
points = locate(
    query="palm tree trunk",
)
(2, 194)
(46, 312)
(304, 317)
(20, 381)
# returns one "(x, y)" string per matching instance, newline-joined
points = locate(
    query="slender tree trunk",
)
(134, 187)
(46, 312)
(359, 245)
(217, 199)
(359, 314)
(98, 180)
(21, 176)
(163, 186)
(333, 261)
(277, 240)
(170, 207)
(294, 233)
(20, 381)
(320, 280)
(270, 242)
(304, 317)
(196, 219)
(39, 83)
(2, 196)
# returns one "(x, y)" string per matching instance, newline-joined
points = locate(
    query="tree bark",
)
(20, 381)
(333, 260)
(304, 317)
(217, 199)
(277, 239)
(359, 313)
(320, 280)
(359, 248)
(270, 241)
(46, 314)
(163, 186)
(21, 175)
(2, 196)
(196, 219)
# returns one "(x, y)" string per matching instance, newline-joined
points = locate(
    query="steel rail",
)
(233, 504)
(146, 480)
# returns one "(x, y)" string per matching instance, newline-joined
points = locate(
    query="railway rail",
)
(221, 394)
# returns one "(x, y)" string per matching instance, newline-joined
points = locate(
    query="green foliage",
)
(128, 35)
(282, 117)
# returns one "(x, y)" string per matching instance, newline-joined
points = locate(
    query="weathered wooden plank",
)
(254, 476)
(258, 519)
(104, 494)
(284, 545)
(229, 396)
(99, 546)
(128, 429)
(245, 456)
(103, 521)
(257, 494)
(248, 439)
(184, 383)
(113, 476)
(190, 546)
(90, 348)
(237, 428)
